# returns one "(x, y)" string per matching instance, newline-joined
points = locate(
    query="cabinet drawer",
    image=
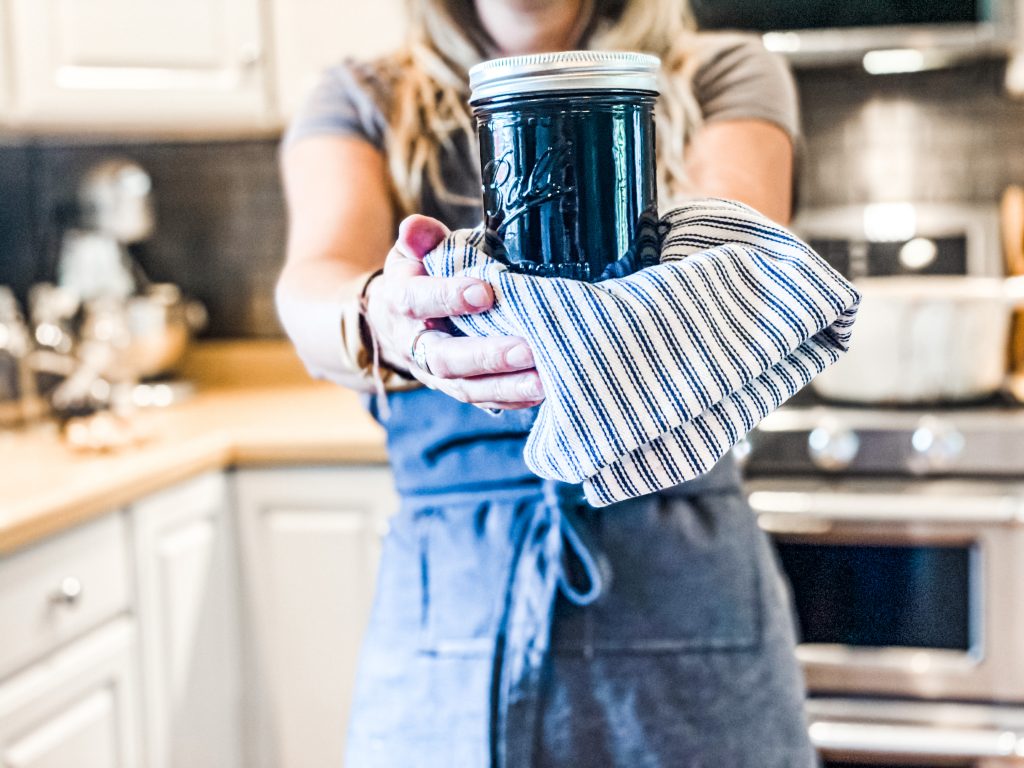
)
(61, 588)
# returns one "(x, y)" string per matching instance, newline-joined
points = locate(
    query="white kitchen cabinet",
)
(77, 708)
(60, 588)
(310, 35)
(310, 541)
(189, 626)
(137, 64)
(5, 71)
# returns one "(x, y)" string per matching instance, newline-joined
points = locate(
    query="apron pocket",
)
(465, 550)
(686, 576)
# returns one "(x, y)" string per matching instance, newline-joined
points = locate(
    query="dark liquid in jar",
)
(569, 185)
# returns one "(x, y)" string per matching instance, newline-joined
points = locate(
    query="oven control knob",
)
(832, 447)
(935, 446)
(742, 450)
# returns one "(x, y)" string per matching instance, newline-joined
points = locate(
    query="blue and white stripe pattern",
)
(651, 378)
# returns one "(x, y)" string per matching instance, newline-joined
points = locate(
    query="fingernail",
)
(533, 389)
(520, 356)
(477, 296)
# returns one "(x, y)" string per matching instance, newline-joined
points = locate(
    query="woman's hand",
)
(493, 372)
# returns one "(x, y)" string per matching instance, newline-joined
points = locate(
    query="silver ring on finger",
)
(418, 352)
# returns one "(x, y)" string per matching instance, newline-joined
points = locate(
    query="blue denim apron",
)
(514, 626)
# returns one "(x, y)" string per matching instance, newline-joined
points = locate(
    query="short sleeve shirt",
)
(736, 78)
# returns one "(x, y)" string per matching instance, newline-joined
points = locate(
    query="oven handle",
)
(808, 512)
(915, 741)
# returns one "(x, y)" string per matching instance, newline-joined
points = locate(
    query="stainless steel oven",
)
(854, 733)
(903, 588)
(901, 532)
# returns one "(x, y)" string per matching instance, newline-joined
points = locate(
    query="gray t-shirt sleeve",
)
(346, 102)
(739, 79)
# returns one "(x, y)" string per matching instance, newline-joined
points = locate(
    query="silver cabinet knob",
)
(832, 447)
(250, 56)
(68, 592)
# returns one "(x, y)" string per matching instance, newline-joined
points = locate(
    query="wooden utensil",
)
(1011, 217)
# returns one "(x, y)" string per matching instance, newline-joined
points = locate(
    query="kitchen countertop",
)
(254, 405)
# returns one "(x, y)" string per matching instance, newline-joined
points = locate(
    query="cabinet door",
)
(309, 557)
(5, 72)
(188, 617)
(310, 35)
(137, 63)
(76, 709)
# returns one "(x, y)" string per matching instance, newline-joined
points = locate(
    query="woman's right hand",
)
(492, 372)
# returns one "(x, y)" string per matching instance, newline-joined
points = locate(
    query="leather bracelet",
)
(363, 297)
(364, 306)
(369, 339)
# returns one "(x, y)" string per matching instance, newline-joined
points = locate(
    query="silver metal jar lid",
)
(563, 71)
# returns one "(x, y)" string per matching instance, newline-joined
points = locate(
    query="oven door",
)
(904, 588)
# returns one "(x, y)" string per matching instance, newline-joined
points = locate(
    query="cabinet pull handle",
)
(68, 593)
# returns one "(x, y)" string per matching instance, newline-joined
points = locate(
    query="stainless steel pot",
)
(161, 323)
(926, 339)
(142, 336)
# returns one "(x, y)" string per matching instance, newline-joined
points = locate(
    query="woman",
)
(661, 636)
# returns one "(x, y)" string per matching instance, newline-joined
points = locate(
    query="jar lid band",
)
(563, 71)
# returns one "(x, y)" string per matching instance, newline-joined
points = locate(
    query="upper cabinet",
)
(5, 70)
(115, 64)
(310, 35)
(191, 66)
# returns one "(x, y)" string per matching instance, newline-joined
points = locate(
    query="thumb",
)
(419, 235)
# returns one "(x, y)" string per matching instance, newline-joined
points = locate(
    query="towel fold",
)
(652, 377)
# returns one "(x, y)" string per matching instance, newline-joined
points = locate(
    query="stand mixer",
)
(130, 331)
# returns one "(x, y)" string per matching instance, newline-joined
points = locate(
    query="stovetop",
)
(808, 398)
(809, 435)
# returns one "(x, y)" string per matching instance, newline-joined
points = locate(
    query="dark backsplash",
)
(948, 135)
(219, 211)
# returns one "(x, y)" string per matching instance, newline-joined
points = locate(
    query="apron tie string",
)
(538, 573)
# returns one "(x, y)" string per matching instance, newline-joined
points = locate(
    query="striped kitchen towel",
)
(652, 377)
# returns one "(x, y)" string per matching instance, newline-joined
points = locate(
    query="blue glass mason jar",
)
(567, 162)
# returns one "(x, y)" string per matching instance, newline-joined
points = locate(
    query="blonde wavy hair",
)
(445, 39)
